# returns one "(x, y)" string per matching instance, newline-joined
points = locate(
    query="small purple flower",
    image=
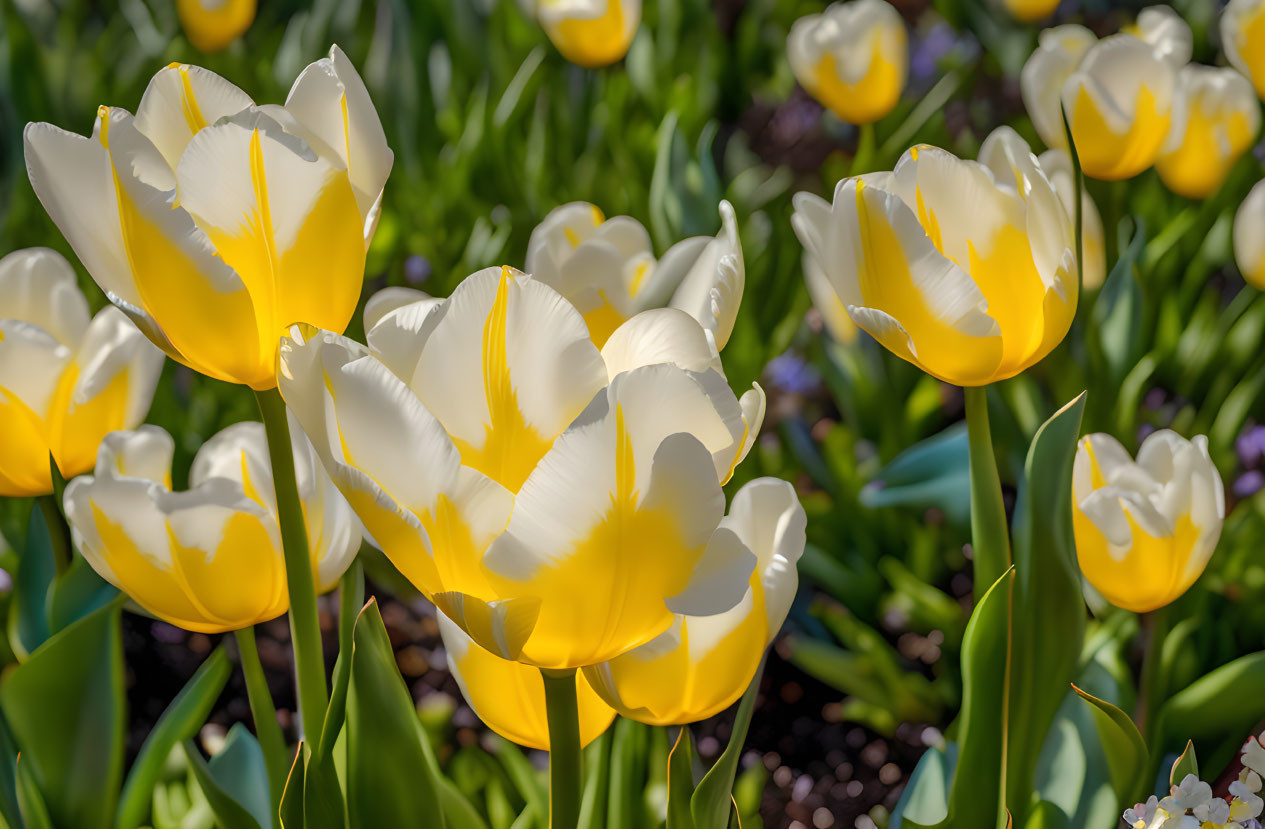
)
(930, 48)
(788, 372)
(1249, 483)
(416, 269)
(1251, 446)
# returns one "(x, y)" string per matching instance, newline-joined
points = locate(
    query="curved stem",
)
(564, 748)
(305, 629)
(1150, 691)
(989, 537)
(264, 712)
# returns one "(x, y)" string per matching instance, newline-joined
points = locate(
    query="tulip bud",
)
(1120, 103)
(213, 223)
(853, 58)
(1030, 11)
(208, 559)
(1146, 529)
(1166, 32)
(65, 381)
(1219, 117)
(590, 33)
(1249, 236)
(1243, 38)
(607, 270)
(211, 25)
(969, 296)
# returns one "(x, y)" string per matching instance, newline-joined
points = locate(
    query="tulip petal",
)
(397, 339)
(37, 285)
(501, 627)
(389, 299)
(24, 469)
(1041, 81)
(660, 335)
(179, 101)
(712, 290)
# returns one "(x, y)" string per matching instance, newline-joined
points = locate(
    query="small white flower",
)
(1254, 755)
(1140, 816)
(1246, 804)
(1214, 811)
(1191, 793)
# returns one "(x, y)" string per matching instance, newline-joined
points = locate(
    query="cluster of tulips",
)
(542, 453)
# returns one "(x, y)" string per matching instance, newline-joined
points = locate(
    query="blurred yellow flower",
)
(1057, 165)
(1030, 11)
(510, 696)
(65, 380)
(607, 270)
(1216, 122)
(558, 502)
(853, 58)
(1120, 105)
(1249, 236)
(208, 559)
(211, 25)
(702, 664)
(1243, 38)
(590, 33)
(1058, 53)
(1166, 32)
(1146, 529)
(969, 296)
(213, 223)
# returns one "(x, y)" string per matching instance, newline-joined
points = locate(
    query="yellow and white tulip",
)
(510, 696)
(558, 501)
(853, 58)
(1145, 529)
(1243, 38)
(1059, 51)
(1166, 32)
(213, 223)
(1217, 122)
(211, 25)
(702, 664)
(969, 296)
(1057, 165)
(65, 379)
(208, 559)
(590, 33)
(606, 268)
(1249, 236)
(1120, 106)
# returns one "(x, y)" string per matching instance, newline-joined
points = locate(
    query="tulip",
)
(1218, 123)
(1120, 103)
(1059, 52)
(560, 503)
(1030, 11)
(1166, 32)
(1146, 529)
(1243, 38)
(834, 314)
(969, 296)
(211, 25)
(606, 269)
(510, 696)
(590, 33)
(853, 58)
(1057, 165)
(1249, 241)
(208, 559)
(702, 664)
(213, 223)
(65, 380)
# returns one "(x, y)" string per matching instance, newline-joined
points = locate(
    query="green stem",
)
(989, 537)
(863, 159)
(305, 628)
(1155, 626)
(264, 713)
(58, 534)
(564, 748)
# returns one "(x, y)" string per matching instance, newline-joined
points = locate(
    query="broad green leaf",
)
(1117, 317)
(925, 800)
(935, 472)
(458, 810)
(10, 812)
(66, 707)
(529, 782)
(179, 722)
(229, 814)
(1048, 615)
(1184, 764)
(241, 772)
(32, 584)
(1126, 751)
(76, 593)
(390, 778)
(1224, 703)
(30, 802)
(712, 801)
(681, 780)
(292, 796)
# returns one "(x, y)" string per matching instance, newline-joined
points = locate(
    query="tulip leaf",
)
(1117, 322)
(627, 770)
(10, 809)
(597, 759)
(1125, 749)
(1048, 618)
(229, 814)
(65, 705)
(935, 472)
(179, 722)
(925, 800)
(34, 813)
(351, 595)
(76, 593)
(32, 584)
(1220, 705)
(1185, 764)
(291, 812)
(713, 799)
(390, 773)
(681, 780)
